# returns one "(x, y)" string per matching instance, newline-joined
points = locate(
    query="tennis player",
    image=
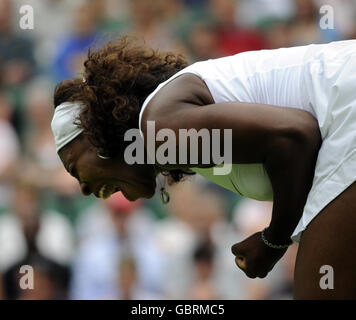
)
(292, 112)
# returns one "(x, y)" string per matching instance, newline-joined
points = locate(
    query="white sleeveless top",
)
(297, 77)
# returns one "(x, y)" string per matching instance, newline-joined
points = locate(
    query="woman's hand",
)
(254, 257)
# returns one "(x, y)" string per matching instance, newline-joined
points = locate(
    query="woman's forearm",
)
(291, 170)
(286, 140)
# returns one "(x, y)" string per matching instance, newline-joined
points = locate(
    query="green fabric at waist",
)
(248, 180)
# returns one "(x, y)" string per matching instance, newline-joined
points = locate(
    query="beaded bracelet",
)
(274, 246)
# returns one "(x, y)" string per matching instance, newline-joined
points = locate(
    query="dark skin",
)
(265, 134)
(329, 240)
(80, 159)
(286, 140)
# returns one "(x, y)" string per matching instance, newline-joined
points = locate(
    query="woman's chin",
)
(133, 192)
(150, 194)
(135, 196)
(129, 197)
(146, 191)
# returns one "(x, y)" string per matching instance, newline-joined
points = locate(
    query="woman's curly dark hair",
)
(68, 90)
(117, 79)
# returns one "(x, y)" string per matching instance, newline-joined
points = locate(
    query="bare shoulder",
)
(187, 90)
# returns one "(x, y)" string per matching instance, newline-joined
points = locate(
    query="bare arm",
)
(286, 140)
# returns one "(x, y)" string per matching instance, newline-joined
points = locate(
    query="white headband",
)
(63, 127)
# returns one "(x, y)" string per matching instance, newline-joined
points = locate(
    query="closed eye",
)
(73, 172)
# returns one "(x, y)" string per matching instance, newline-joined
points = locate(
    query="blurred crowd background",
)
(85, 248)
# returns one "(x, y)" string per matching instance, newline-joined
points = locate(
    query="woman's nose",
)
(85, 189)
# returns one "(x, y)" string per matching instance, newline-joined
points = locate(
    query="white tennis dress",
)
(320, 79)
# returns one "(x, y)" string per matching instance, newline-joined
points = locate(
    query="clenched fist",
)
(254, 257)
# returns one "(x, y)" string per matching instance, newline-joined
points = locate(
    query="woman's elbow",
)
(309, 135)
(300, 140)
